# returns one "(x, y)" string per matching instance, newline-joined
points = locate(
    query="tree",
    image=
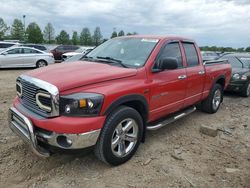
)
(114, 34)
(121, 33)
(85, 37)
(247, 49)
(17, 30)
(49, 33)
(240, 50)
(134, 33)
(97, 37)
(63, 38)
(34, 33)
(75, 38)
(3, 28)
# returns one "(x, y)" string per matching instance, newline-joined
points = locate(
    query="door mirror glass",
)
(168, 63)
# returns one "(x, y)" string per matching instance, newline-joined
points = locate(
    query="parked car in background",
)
(37, 46)
(61, 49)
(25, 57)
(74, 58)
(4, 44)
(240, 80)
(81, 50)
(207, 55)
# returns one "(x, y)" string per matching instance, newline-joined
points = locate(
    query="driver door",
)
(169, 86)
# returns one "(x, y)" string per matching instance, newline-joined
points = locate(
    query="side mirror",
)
(168, 63)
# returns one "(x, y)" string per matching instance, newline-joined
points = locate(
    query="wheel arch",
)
(221, 80)
(136, 101)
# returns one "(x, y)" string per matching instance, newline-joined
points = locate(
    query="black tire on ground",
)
(105, 150)
(246, 90)
(41, 63)
(212, 103)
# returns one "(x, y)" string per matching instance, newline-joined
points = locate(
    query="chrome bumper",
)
(24, 128)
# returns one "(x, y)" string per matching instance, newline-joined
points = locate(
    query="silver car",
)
(25, 57)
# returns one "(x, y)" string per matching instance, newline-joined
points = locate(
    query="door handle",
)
(201, 72)
(181, 77)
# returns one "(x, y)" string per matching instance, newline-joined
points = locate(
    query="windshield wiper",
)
(112, 60)
(86, 57)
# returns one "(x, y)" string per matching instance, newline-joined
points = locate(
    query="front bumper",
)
(23, 127)
(236, 86)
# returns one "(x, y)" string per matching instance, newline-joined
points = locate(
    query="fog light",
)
(64, 141)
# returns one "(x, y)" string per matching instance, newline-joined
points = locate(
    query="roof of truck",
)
(160, 37)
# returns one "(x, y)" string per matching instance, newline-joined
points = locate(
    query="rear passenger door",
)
(195, 74)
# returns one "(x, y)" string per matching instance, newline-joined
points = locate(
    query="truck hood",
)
(66, 76)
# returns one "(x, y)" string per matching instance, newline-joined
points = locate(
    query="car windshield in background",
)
(76, 57)
(245, 61)
(131, 52)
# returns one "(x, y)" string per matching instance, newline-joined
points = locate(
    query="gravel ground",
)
(174, 156)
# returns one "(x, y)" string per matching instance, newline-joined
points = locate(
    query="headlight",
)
(236, 76)
(81, 104)
(243, 77)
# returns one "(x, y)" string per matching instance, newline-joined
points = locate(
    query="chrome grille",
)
(28, 98)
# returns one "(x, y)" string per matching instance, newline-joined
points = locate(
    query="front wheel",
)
(213, 101)
(120, 136)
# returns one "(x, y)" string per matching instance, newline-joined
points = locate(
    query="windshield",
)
(132, 52)
(245, 61)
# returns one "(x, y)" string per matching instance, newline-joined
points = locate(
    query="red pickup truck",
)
(119, 90)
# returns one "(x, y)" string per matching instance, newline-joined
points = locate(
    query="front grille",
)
(28, 97)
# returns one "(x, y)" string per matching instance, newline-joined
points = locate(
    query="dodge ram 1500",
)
(114, 94)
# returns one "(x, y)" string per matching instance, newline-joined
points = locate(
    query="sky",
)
(209, 22)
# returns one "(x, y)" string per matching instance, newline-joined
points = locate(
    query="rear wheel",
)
(213, 101)
(41, 63)
(246, 90)
(120, 136)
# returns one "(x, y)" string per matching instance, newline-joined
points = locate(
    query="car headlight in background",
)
(243, 77)
(236, 76)
(81, 104)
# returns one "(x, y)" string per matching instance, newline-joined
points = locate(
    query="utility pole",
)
(24, 27)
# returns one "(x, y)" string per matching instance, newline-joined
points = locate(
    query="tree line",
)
(34, 34)
(224, 49)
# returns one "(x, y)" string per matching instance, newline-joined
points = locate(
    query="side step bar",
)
(172, 118)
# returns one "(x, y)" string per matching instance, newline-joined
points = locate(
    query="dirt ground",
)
(174, 156)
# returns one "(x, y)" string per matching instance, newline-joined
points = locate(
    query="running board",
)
(172, 118)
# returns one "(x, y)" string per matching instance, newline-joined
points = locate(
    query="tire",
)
(112, 146)
(246, 90)
(213, 101)
(41, 63)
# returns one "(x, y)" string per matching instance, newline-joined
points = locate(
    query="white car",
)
(25, 57)
(81, 50)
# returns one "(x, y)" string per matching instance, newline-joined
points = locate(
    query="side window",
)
(172, 50)
(234, 62)
(59, 48)
(191, 54)
(27, 51)
(14, 51)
